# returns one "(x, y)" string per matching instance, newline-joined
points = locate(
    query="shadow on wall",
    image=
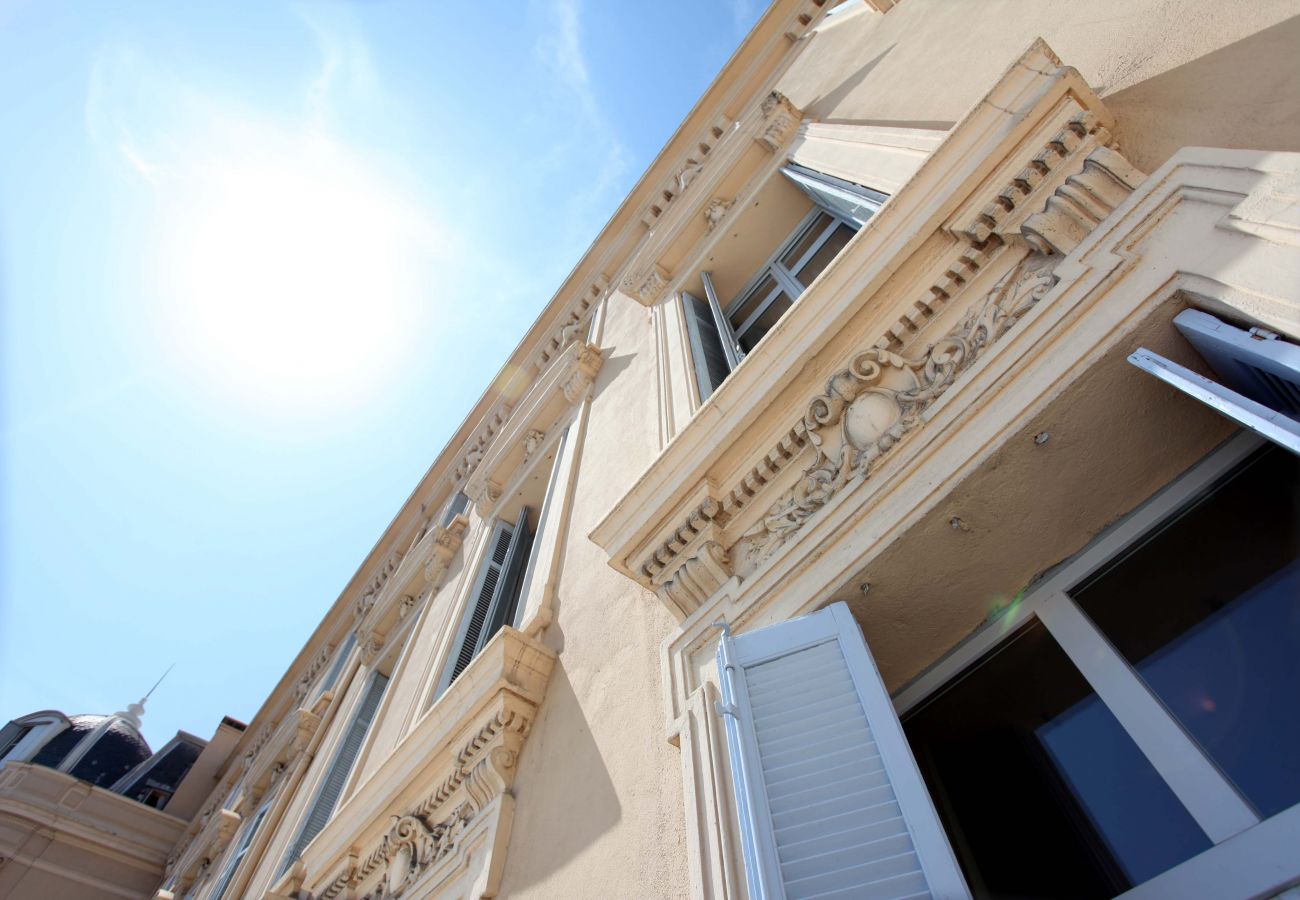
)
(1254, 83)
(832, 99)
(563, 810)
(611, 369)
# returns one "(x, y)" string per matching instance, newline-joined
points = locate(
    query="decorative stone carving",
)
(532, 440)
(586, 363)
(446, 541)
(646, 286)
(405, 606)
(420, 839)
(364, 604)
(309, 676)
(780, 119)
(716, 211)
(1082, 202)
(688, 173)
(371, 644)
(882, 395)
(696, 579)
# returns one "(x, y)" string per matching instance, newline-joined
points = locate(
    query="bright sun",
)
(292, 279)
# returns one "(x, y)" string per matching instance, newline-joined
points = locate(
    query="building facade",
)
(899, 498)
(89, 811)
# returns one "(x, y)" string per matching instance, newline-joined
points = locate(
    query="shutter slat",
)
(793, 802)
(879, 872)
(482, 605)
(336, 778)
(820, 752)
(805, 780)
(808, 731)
(801, 764)
(902, 887)
(878, 803)
(844, 857)
(848, 739)
(779, 706)
(858, 835)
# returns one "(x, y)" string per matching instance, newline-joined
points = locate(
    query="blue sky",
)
(257, 261)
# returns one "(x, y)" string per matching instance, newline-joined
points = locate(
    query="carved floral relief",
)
(869, 406)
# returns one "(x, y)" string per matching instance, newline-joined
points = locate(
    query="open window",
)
(340, 767)
(1124, 728)
(788, 235)
(502, 582)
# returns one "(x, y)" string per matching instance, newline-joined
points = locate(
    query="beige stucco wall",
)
(1175, 72)
(600, 810)
(599, 791)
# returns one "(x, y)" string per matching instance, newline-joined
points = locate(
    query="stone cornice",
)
(771, 46)
(443, 780)
(109, 823)
(1012, 170)
(564, 383)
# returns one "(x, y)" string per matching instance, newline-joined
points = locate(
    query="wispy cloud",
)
(743, 12)
(346, 67)
(595, 142)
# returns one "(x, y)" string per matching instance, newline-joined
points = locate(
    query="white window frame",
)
(1249, 856)
(845, 202)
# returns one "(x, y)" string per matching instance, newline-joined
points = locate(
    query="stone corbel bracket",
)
(284, 747)
(533, 423)
(1032, 167)
(419, 577)
(781, 120)
(437, 812)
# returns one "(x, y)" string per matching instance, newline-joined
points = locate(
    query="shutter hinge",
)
(727, 709)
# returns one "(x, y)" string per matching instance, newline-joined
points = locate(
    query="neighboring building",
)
(87, 810)
(880, 365)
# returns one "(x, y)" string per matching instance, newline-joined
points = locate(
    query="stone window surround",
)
(1086, 261)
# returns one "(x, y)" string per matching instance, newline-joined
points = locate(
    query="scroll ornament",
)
(882, 395)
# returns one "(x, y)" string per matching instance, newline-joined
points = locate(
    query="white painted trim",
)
(1269, 423)
(1256, 863)
(1197, 782)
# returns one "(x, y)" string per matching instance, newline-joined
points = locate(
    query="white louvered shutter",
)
(480, 605)
(831, 802)
(336, 778)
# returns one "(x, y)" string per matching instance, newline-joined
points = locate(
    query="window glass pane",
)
(1208, 613)
(825, 253)
(763, 324)
(803, 243)
(750, 302)
(1042, 791)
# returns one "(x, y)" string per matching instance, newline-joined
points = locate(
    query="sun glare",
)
(292, 280)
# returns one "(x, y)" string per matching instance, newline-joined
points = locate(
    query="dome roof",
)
(115, 747)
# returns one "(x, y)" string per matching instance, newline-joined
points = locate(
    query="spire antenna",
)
(156, 683)
(136, 710)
